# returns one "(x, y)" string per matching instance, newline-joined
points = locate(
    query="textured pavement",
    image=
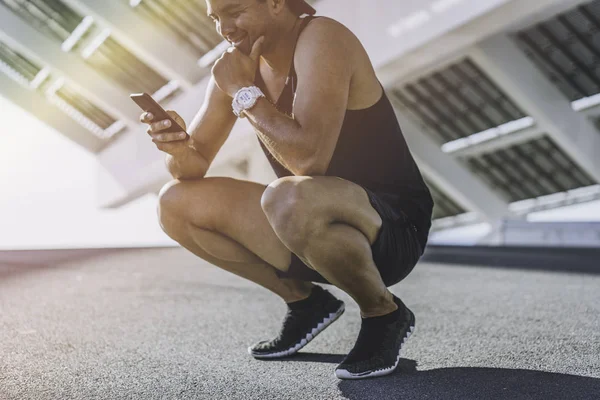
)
(162, 324)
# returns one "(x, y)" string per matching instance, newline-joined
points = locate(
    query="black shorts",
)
(395, 251)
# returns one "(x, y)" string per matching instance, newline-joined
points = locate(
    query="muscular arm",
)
(208, 131)
(187, 165)
(305, 143)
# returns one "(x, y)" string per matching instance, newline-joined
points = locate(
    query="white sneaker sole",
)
(306, 340)
(345, 374)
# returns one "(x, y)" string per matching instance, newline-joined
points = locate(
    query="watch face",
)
(245, 98)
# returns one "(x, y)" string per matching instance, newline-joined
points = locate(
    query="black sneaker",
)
(304, 320)
(377, 350)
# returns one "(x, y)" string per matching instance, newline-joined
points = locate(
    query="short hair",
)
(292, 5)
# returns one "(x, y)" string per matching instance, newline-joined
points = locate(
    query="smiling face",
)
(241, 22)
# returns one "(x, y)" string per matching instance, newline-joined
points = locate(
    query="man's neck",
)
(279, 57)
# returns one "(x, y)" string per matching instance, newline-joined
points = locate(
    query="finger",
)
(257, 48)
(160, 125)
(168, 137)
(146, 117)
(180, 121)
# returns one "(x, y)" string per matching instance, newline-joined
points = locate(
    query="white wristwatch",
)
(245, 99)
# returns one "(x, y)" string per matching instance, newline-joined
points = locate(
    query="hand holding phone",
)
(171, 132)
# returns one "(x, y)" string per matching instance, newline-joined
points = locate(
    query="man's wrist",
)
(245, 113)
(182, 149)
(245, 99)
(237, 87)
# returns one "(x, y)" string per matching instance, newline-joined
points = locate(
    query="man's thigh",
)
(301, 202)
(230, 207)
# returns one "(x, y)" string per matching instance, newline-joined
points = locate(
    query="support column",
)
(518, 76)
(449, 175)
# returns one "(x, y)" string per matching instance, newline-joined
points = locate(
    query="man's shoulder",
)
(327, 28)
(328, 35)
(326, 23)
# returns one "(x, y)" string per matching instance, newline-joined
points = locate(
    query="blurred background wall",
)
(498, 100)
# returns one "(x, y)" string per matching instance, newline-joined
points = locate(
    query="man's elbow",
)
(313, 166)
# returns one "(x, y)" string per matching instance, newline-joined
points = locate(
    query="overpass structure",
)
(498, 99)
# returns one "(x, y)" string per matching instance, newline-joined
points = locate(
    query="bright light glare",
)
(409, 23)
(489, 134)
(49, 196)
(443, 5)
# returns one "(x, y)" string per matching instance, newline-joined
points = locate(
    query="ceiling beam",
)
(499, 143)
(18, 34)
(150, 44)
(529, 88)
(434, 54)
(36, 104)
(448, 174)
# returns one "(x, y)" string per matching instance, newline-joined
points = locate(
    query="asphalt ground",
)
(162, 324)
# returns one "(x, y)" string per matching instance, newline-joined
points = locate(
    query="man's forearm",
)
(282, 136)
(188, 164)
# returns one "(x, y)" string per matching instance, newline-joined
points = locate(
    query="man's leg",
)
(220, 221)
(330, 224)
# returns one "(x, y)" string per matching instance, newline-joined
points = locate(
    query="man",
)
(350, 207)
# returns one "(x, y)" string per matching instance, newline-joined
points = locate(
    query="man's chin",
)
(244, 46)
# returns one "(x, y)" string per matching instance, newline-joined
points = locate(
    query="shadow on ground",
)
(471, 383)
(461, 383)
(316, 357)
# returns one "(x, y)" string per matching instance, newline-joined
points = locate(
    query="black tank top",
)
(371, 151)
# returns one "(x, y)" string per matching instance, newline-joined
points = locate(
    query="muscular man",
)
(350, 207)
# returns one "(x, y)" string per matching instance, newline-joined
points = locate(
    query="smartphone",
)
(148, 104)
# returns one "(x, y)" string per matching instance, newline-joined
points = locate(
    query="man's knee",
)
(170, 199)
(284, 199)
(289, 206)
